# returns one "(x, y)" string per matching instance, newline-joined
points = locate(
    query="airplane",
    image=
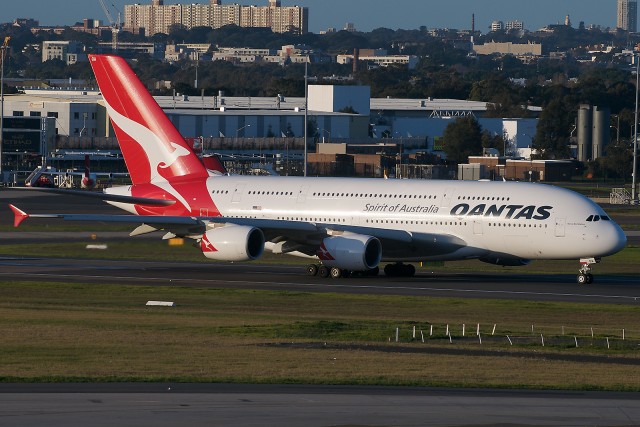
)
(50, 177)
(345, 226)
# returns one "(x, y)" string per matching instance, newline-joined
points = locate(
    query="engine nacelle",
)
(505, 261)
(233, 243)
(351, 252)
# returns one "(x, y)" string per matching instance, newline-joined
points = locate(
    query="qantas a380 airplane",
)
(344, 225)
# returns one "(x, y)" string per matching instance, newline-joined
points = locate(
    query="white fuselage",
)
(522, 220)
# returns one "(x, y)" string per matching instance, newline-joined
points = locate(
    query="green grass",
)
(55, 332)
(99, 332)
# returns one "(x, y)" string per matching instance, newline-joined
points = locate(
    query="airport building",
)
(269, 126)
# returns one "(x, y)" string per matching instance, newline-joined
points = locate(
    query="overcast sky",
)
(366, 14)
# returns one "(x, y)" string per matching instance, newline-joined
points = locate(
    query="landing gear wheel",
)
(373, 272)
(323, 271)
(399, 270)
(390, 270)
(335, 273)
(410, 270)
(312, 270)
(584, 275)
(345, 274)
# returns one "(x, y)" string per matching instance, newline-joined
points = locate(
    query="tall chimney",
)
(356, 59)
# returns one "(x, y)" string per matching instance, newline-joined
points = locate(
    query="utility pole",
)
(634, 194)
(4, 47)
(306, 113)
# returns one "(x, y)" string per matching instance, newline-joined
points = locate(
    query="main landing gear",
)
(584, 276)
(337, 273)
(390, 270)
(399, 270)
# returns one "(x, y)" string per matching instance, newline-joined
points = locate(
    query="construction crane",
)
(115, 26)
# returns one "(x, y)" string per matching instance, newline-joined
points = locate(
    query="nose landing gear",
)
(584, 275)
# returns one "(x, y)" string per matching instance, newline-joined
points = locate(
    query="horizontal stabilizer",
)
(19, 216)
(102, 196)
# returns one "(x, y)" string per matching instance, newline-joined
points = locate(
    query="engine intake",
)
(233, 243)
(351, 252)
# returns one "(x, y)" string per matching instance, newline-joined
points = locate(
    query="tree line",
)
(508, 86)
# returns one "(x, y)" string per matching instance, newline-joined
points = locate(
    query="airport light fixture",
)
(239, 129)
(306, 113)
(634, 194)
(4, 47)
(328, 132)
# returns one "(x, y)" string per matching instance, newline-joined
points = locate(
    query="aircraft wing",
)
(305, 236)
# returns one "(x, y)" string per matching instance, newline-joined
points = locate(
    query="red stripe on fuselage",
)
(194, 193)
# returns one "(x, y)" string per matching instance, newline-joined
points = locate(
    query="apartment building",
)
(67, 51)
(628, 15)
(158, 18)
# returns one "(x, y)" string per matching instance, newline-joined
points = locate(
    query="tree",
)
(554, 129)
(463, 138)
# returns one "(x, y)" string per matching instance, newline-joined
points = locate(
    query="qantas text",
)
(539, 213)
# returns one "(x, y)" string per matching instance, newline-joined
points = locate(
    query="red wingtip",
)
(19, 216)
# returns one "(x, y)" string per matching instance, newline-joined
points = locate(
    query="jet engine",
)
(233, 243)
(351, 252)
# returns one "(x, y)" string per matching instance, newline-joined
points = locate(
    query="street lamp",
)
(4, 51)
(306, 113)
(327, 131)
(634, 195)
(617, 127)
(239, 129)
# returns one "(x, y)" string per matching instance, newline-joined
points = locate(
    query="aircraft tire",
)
(589, 278)
(312, 270)
(409, 270)
(335, 273)
(390, 270)
(323, 271)
(582, 279)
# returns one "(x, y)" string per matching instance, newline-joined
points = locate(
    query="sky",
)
(365, 14)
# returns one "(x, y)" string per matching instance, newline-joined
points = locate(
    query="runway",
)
(607, 289)
(161, 405)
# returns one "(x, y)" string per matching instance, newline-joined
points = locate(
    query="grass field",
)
(69, 332)
(60, 332)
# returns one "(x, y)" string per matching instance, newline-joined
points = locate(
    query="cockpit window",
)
(605, 218)
(590, 218)
(596, 218)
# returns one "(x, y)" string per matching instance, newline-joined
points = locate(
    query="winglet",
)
(19, 216)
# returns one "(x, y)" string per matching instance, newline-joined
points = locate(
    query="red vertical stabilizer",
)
(153, 149)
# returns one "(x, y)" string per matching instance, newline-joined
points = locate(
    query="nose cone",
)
(612, 239)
